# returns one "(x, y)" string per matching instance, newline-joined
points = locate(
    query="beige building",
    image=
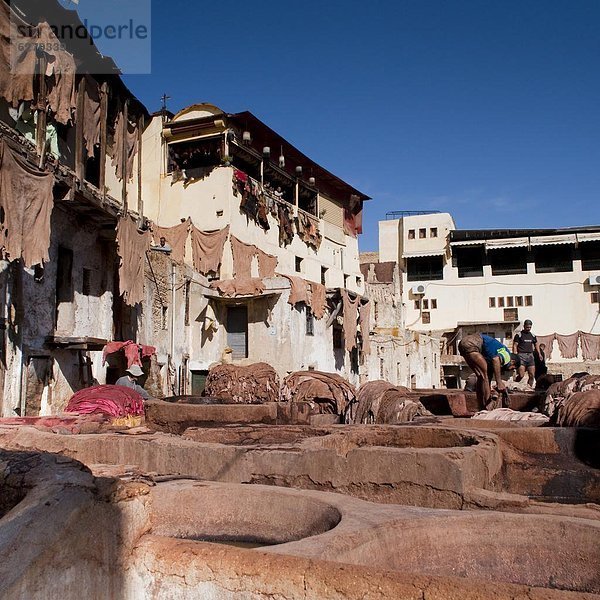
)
(223, 170)
(457, 282)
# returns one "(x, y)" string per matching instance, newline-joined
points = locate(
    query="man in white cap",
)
(130, 380)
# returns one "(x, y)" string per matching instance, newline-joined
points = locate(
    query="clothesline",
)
(568, 344)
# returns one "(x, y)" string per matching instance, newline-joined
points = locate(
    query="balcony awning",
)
(468, 243)
(521, 242)
(423, 253)
(592, 236)
(552, 240)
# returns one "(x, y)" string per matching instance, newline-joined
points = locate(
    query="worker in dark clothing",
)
(487, 357)
(525, 345)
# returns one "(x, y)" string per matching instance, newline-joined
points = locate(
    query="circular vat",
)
(244, 515)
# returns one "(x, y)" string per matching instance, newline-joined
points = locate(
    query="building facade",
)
(457, 282)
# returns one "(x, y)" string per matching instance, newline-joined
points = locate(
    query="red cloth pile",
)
(132, 352)
(111, 400)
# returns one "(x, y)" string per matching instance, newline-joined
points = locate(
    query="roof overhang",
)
(424, 253)
(520, 242)
(553, 240)
(588, 237)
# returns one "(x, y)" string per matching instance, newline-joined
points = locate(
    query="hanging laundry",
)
(129, 145)
(286, 228)
(308, 230)
(298, 290)
(590, 346)
(207, 249)
(244, 286)
(132, 246)
(91, 115)
(548, 341)
(133, 352)
(175, 236)
(318, 299)
(267, 263)
(567, 344)
(27, 200)
(350, 317)
(242, 257)
(364, 318)
(253, 202)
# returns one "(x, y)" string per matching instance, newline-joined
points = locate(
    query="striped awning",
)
(521, 242)
(423, 253)
(468, 243)
(593, 236)
(552, 240)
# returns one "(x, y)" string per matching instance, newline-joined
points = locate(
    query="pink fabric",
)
(590, 346)
(112, 400)
(567, 344)
(548, 341)
(131, 349)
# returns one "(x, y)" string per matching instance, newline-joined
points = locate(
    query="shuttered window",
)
(332, 213)
(237, 331)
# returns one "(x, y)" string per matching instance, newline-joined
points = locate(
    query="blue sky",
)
(489, 110)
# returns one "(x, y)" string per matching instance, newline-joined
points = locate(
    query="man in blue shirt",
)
(487, 357)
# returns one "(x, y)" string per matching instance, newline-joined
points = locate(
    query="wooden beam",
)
(40, 134)
(140, 125)
(124, 155)
(334, 314)
(79, 165)
(103, 130)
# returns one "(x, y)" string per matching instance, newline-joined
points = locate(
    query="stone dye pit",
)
(454, 509)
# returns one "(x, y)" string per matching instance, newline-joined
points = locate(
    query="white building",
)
(456, 282)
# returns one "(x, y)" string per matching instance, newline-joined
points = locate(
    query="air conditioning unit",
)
(594, 280)
(418, 290)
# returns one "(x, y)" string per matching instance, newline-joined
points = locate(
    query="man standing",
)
(487, 357)
(130, 381)
(525, 344)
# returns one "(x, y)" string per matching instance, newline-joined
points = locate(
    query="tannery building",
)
(456, 282)
(260, 257)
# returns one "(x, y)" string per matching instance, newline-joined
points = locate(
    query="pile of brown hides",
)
(251, 384)
(574, 402)
(326, 393)
(383, 403)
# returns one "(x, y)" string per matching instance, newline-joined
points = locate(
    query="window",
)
(346, 281)
(433, 303)
(509, 261)
(375, 311)
(511, 314)
(64, 275)
(590, 256)
(528, 300)
(508, 335)
(411, 234)
(492, 302)
(338, 337)
(86, 282)
(381, 368)
(422, 233)
(298, 264)
(553, 259)
(500, 302)
(358, 281)
(417, 304)
(433, 232)
(200, 153)
(310, 321)
(469, 261)
(425, 304)
(594, 297)
(323, 275)
(519, 300)
(510, 301)
(198, 382)
(426, 268)
(426, 318)
(164, 324)
(237, 331)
